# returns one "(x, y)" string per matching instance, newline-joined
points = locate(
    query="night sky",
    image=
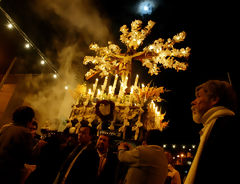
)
(211, 31)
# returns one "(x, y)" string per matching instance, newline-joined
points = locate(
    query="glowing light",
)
(54, 76)
(110, 60)
(9, 26)
(27, 45)
(146, 7)
(42, 62)
(159, 54)
(66, 87)
(174, 146)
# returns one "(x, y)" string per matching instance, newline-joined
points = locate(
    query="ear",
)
(214, 100)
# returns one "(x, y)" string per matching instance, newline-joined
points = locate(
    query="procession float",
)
(116, 105)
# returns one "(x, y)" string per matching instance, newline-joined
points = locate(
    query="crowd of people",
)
(25, 157)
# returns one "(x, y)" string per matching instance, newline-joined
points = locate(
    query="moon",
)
(146, 7)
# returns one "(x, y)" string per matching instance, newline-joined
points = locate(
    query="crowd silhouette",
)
(89, 156)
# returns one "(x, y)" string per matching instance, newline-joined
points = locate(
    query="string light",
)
(42, 62)
(27, 45)
(54, 76)
(11, 24)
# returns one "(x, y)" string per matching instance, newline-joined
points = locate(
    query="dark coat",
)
(15, 150)
(85, 168)
(218, 160)
(49, 160)
(108, 174)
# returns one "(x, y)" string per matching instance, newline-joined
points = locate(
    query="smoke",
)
(80, 16)
(79, 23)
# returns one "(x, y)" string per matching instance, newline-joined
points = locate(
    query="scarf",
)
(208, 120)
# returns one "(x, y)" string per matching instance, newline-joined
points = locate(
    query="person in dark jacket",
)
(81, 164)
(108, 161)
(16, 146)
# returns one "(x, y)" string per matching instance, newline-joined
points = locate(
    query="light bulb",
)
(42, 62)
(27, 45)
(10, 26)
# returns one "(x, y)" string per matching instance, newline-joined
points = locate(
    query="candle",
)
(136, 81)
(95, 86)
(88, 97)
(156, 110)
(89, 92)
(98, 93)
(143, 87)
(131, 95)
(104, 84)
(110, 91)
(114, 84)
(151, 105)
(157, 119)
(126, 80)
(120, 90)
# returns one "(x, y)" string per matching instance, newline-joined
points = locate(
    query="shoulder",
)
(227, 123)
(91, 146)
(150, 150)
(154, 148)
(112, 157)
(15, 130)
(225, 131)
(90, 151)
(230, 119)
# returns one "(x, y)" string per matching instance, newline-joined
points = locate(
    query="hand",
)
(41, 143)
(124, 146)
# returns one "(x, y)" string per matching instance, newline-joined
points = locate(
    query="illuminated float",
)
(132, 108)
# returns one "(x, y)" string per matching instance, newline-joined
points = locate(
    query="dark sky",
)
(211, 34)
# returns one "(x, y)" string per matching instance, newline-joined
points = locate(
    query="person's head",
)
(23, 115)
(153, 137)
(103, 143)
(210, 94)
(85, 134)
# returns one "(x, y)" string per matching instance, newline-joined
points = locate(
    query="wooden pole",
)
(7, 72)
